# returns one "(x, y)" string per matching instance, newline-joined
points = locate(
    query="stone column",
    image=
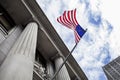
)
(63, 74)
(18, 65)
(50, 69)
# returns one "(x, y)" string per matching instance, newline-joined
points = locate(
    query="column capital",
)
(57, 55)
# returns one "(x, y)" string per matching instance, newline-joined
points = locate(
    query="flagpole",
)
(64, 61)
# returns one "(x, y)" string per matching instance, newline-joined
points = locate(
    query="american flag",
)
(69, 20)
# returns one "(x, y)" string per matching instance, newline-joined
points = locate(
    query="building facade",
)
(112, 69)
(30, 48)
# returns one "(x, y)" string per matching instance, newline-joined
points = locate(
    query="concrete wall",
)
(6, 42)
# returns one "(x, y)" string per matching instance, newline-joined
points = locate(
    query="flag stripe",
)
(71, 15)
(77, 37)
(62, 21)
(72, 19)
(67, 20)
(66, 17)
(75, 20)
(69, 25)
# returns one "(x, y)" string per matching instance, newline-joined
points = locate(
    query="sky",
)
(100, 44)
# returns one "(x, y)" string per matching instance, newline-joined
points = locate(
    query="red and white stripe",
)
(69, 20)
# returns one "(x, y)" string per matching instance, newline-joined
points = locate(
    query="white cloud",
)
(101, 42)
(111, 13)
(94, 5)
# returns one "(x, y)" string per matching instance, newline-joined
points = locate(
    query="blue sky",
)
(100, 44)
